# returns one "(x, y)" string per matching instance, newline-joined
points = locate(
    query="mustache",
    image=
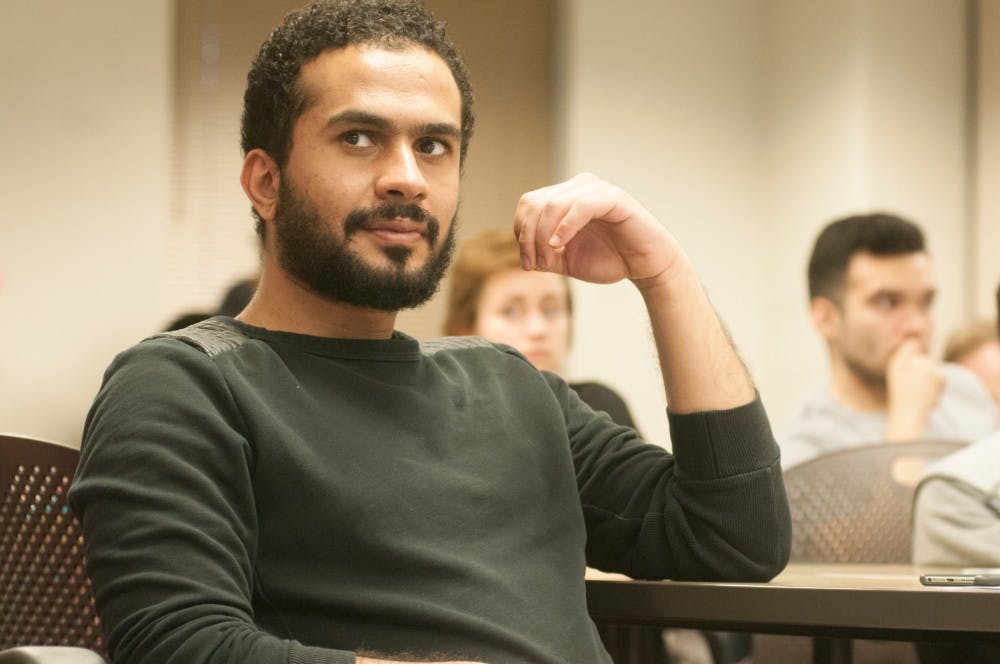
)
(358, 218)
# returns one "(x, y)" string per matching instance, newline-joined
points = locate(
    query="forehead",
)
(389, 82)
(516, 282)
(905, 273)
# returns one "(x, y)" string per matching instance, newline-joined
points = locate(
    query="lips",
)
(397, 225)
(393, 222)
(392, 231)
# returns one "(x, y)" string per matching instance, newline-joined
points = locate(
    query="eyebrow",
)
(359, 117)
(900, 292)
(384, 124)
(440, 129)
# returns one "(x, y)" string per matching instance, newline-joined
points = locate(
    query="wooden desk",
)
(853, 601)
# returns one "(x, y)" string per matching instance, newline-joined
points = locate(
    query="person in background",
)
(871, 291)
(491, 296)
(185, 319)
(956, 522)
(956, 513)
(306, 484)
(237, 297)
(976, 347)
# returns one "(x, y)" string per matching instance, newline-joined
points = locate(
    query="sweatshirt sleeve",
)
(953, 524)
(164, 494)
(714, 510)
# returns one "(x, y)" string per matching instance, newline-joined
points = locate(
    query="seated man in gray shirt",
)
(871, 293)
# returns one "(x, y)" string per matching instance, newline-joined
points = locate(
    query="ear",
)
(825, 315)
(261, 178)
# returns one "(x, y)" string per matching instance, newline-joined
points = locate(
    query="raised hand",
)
(914, 383)
(594, 231)
(591, 230)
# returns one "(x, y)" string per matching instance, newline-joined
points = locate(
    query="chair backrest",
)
(854, 505)
(45, 594)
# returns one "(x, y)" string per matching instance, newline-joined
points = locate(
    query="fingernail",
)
(555, 241)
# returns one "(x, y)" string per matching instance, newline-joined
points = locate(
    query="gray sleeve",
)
(953, 525)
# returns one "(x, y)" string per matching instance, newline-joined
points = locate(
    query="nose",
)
(918, 323)
(401, 177)
(538, 325)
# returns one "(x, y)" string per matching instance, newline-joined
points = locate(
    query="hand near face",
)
(914, 382)
(594, 231)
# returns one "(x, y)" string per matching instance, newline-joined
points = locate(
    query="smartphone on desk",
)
(960, 579)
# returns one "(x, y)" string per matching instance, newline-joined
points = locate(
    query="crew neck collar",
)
(399, 347)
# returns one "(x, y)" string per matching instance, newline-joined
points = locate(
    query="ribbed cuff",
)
(300, 654)
(721, 443)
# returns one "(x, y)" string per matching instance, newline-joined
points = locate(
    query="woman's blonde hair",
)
(479, 258)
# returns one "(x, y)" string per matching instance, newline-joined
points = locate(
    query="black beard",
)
(322, 262)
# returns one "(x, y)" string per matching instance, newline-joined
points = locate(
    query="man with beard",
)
(306, 484)
(871, 296)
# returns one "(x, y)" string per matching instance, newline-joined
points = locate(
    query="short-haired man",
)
(871, 293)
(957, 505)
(304, 484)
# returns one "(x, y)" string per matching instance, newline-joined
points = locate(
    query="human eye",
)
(358, 139)
(512, 311)
(432, 147)
(553, 310)
(886, 301)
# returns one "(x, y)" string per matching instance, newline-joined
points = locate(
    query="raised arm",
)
(716, 510)
(593, 231)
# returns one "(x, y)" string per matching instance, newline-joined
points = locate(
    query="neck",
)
(854, 391)
(282, 304)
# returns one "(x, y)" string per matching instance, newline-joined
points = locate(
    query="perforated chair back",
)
(45, 594)
(854, 505)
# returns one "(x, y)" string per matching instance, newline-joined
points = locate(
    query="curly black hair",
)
(273, 100)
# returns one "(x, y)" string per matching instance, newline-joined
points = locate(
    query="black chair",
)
(852, 506)
(46, 605)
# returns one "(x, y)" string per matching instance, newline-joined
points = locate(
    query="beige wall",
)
(673, 112)
(85, 130)
(986, 244)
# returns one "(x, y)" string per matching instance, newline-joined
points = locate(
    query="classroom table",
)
(820, 600)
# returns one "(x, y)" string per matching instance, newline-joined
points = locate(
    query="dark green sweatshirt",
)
(254, 496)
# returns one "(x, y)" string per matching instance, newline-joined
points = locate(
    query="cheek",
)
(865, 335)
(337, 196)
(444, 201)
(876, 337)
(560, 329)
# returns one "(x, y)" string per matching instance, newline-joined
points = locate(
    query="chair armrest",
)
(49, 655)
